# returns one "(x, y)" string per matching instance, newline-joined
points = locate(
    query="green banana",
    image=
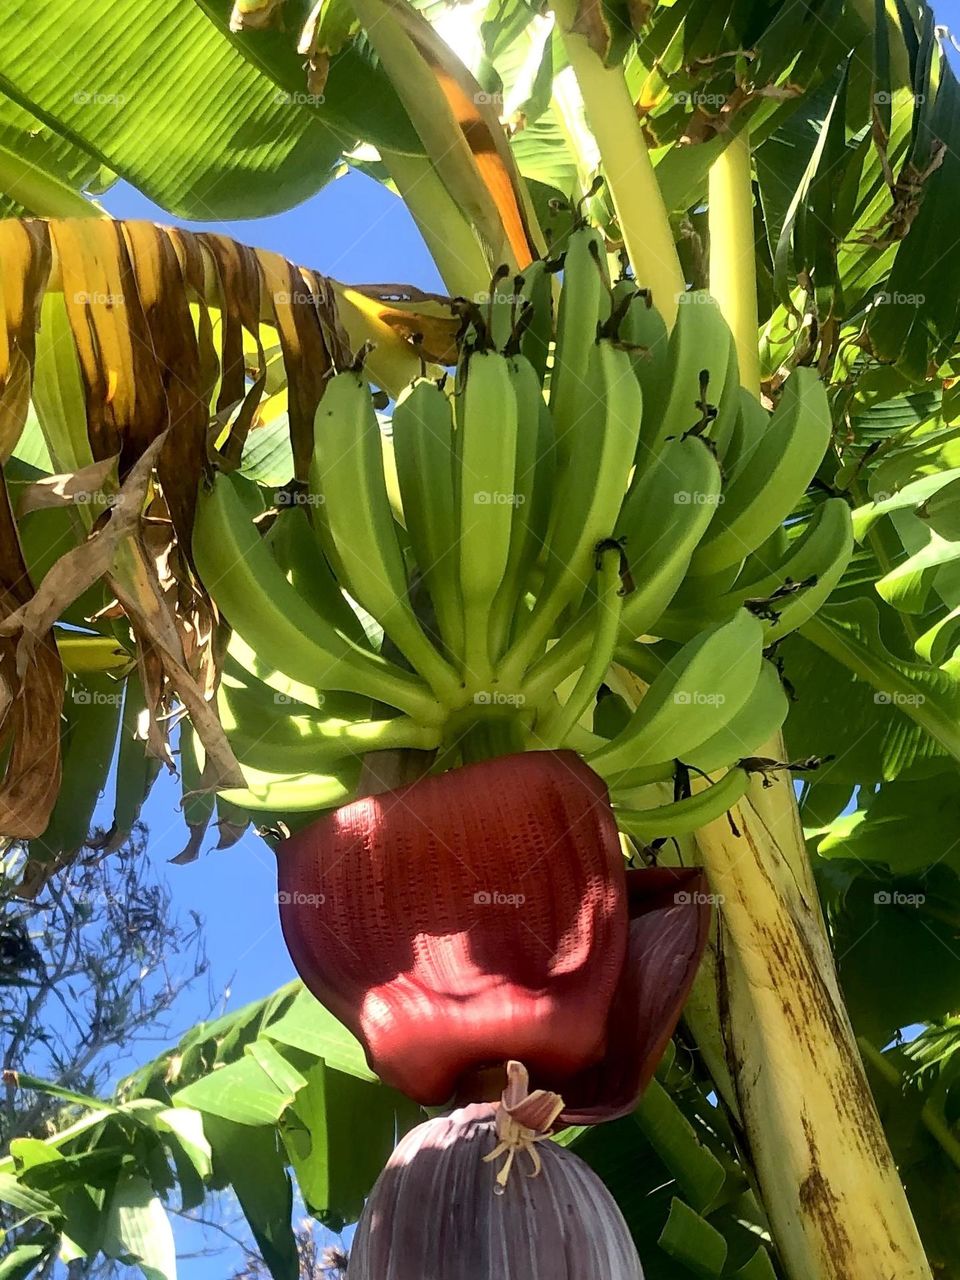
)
(587, 497)
(295, 744)
(283, 632)
(755, 723)
(536, 293)
(259, 700)
(828, 531)
(294, 547)
(817, 556)
(771, 478)
(700, 344)
(749, 426)
(531, 511)
(683, 817)
(423, 447)
(197, 803)
(268, 792)
(487, 499)
(584, 305)
(700, 690)
(663, 518)
(641, 330)
(607, 611)
(265, 732)
(726, 400)
(760, 717)
(347, 476)
(835, 550)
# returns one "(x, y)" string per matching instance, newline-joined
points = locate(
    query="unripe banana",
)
(276, 737)
(828, 531)
(755, 723)
(486, 493)
(588, 494)
(533, 487)
(699, 358)
(294, 547)
(663, 518)
(268, 792)
(285, 633)
(699, 691)
(642, 331)
(347, 476)
(769, 480)
(605, 615)
(423, 447)
(760, 717)
(817, 557)
(584, 305)
(834, 552)
(749, 426)
(256, 700)
(536, 292)
(683, 817)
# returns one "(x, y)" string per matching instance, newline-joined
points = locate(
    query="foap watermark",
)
(895, 898)
(695, 98)
(698, 899)
(299, 298)
(97, 498)
(698, 698)
(488, 99)
(299, 99)
(284, 699)
(888, 698)
(83, 99)
(497, 698)
(694, 298)
(483, 298)
(884, 299)
(691, 498)
(494, 898)
(484, 498)
(95, 698)
(297, 498)
(95, 299)
(883, 98)
(299, 899)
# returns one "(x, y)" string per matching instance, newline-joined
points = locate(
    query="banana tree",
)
(806, 191)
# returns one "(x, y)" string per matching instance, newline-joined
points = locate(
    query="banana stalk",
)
(831, 1190)
(612, 116)
(731, 230)
(447, 232)
(829, 1185)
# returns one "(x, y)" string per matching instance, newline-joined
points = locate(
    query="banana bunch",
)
(580, 501)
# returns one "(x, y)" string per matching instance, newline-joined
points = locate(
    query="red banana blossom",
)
(484, 915)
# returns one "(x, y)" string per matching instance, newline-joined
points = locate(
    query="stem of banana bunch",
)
(830, 1188)
(643, 217)
(449, 235)
(733, 267)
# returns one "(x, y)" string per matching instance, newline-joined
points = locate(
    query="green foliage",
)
(274, 1092)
